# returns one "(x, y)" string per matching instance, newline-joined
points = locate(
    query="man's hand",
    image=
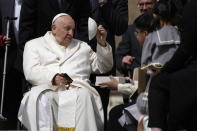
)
(129, 80)
(4, 41)
(156, 70)
(140, 126)
(113, 84)
(101, 35)
(60, 79)
(127, 60)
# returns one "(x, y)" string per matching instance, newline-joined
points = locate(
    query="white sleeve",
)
(126, 88)
(34, 72)
(102, 60)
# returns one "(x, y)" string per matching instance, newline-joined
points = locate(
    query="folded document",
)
(154, 65)
(102, 79)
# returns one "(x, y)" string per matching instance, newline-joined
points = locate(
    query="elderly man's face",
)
(63, 30)
(145, 5)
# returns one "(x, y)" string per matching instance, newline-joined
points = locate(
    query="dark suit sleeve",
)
(128, 46)
(0, 23)
(1, 48)
(115, 15)
(27, 24)
(81, 13)
(188, 46)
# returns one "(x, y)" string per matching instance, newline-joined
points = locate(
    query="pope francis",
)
(58, 66)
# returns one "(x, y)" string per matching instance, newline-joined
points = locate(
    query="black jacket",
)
(187, 51)
(13, 59)
(36, 17)
(128, 46)
(114, 17)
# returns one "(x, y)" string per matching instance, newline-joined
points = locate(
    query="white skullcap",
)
(92, 28)
(59, 15)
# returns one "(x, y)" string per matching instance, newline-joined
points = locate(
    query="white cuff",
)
(125, 88)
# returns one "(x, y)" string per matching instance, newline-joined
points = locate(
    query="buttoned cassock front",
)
(44, 57)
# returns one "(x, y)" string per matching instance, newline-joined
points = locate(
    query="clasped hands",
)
(62, 79)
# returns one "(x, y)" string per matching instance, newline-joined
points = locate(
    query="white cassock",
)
(78, 108)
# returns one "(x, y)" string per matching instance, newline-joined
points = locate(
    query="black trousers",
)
(158, 101)
(173, 96)
(114, 114)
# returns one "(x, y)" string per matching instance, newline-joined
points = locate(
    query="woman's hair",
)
(178, 7)
(168, 11)
(144, 22)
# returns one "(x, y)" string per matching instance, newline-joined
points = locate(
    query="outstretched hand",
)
(127, 60)
(112, 84)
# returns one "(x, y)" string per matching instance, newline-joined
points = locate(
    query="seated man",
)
(57, 102)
